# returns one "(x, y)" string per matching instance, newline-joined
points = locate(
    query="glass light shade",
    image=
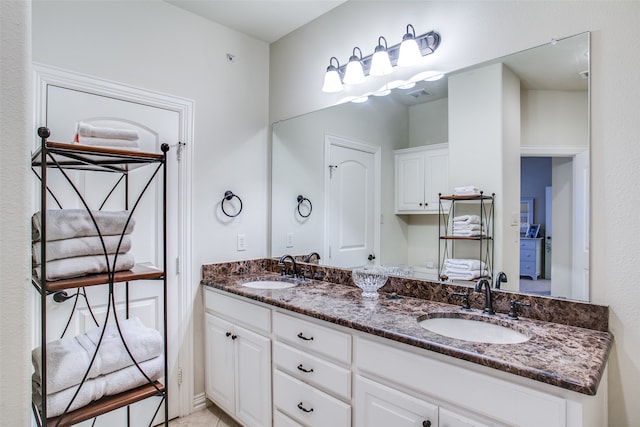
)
(380, 64)
(332, 83)
(409, 53)
(354, 74)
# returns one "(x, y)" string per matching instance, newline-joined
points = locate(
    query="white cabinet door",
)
(449, 418)
(421, 174)
(219, 362)
(410, 182)
(381, 406)
(238, 371)
(253, 378)
(436, 177)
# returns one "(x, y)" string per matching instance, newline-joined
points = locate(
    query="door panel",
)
(351, 207)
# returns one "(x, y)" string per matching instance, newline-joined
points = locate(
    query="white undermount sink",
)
(473, 330)
(269, 284)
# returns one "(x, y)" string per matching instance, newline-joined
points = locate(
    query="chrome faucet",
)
(488, 306)
(284, 268)
(311, 255)
(500, 278)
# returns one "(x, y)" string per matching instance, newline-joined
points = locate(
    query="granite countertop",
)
(565, 356)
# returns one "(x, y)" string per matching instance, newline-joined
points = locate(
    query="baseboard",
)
(199, 402)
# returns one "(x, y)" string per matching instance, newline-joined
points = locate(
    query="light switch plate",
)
(242, 242)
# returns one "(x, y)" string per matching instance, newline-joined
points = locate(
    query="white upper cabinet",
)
(421, 173)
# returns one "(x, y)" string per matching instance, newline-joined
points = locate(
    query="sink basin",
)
(473, 330)
(269, 284)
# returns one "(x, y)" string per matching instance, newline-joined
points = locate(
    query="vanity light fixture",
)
(409, 51)
(354, 74)
(359, 67)
(332, 80)
(380, 62)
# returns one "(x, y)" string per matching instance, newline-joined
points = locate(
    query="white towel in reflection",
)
(468, 190)
(80, 246)
(68, 358)
(467, 219)
(469, 264)
(469, 275)
(85, 129)
(104, 385)
(69, 223)
(79, 266)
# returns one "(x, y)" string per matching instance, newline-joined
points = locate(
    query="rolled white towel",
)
(469, 264)
(68, 358)
(80, 246)
(85, 129)
(469, 275)
(469, 233)
(69, 223)
(109, 142)
(104, 385)
(466, 227)
(67, 268)
(468, 190)
(467, 219)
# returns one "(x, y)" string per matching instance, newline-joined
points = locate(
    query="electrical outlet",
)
(289, 243)
(242, 242)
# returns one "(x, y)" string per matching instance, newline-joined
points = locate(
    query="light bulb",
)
(332, 82)
(380, 62)
(354, 74)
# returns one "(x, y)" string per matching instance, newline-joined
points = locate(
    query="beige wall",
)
(474, 32)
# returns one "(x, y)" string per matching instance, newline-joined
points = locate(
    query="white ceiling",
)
(266, 20)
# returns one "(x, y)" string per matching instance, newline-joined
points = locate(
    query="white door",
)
(352, 204)
(580, 278)
(64, 109)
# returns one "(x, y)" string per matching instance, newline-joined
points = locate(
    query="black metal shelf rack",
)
(448, 241)
(74, 157)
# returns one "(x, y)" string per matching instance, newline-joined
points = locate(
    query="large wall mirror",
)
(517, 126)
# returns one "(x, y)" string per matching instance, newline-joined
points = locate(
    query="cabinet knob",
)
(233, 337)
(228, 334)
(426, 423)
(302, 337)
(302, 408)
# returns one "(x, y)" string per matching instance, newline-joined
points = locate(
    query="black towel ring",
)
(228, 195)
(301, 200)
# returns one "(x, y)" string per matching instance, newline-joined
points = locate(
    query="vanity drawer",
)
(241, 312)
(281, 420)
(310, 336)
(307, 405)
(313, 370)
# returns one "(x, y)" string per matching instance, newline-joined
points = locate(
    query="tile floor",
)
(212, 416)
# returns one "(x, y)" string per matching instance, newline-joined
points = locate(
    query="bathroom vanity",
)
(331, 357)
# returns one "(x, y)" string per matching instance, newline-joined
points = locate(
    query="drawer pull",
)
(301, 368)
(302, 408)
(302, 337)
(426, 423)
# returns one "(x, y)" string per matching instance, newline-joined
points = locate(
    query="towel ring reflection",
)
(228, 195)
(301, 201)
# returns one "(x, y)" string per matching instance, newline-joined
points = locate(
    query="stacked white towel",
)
(464, 269)
(74, 246)
(113, 370)
(107, 137)
(468, 190)
(468, 226)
